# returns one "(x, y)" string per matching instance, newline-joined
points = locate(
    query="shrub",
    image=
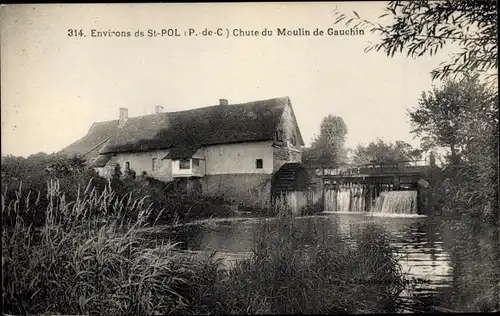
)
(173, 208)
(24, 182)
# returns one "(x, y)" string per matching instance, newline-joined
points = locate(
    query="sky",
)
(54, 86)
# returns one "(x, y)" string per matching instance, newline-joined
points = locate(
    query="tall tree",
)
(329, 146)
(380, 151)
(424, 27)
(452, 116)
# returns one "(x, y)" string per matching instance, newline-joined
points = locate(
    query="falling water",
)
(396, 202)
(330, 201)
(343, 199)
(358, 199)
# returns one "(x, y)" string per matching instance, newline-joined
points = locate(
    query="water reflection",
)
(417, 241)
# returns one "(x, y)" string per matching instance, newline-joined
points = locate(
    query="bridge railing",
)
(371, 168)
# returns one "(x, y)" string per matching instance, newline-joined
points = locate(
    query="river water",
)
(418, 242)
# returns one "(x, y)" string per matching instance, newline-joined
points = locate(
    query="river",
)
(418, 243)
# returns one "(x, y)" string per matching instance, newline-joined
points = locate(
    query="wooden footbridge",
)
(301, 185)
(400, 174)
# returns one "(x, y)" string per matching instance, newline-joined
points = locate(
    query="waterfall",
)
(351, 198)
(343, 199)
(358, 199)
(330, 201)
(396, 202)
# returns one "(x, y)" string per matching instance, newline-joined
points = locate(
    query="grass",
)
(329, 276)
(89, 258)
(86, 259)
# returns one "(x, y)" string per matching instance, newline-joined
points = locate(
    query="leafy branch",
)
(418, 28)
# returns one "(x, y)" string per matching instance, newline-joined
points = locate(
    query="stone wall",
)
(249, 189)
(283, 154)
(287, 149)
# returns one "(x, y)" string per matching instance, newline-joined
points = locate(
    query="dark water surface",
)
(418, 241)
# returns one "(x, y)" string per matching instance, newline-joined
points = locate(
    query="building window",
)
(155, 164)
(196, 162)
(184, 164)
(293, 140)
(127, 166)
(279, 135)
(259, 163)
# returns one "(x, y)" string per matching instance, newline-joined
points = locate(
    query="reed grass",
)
(88, 258)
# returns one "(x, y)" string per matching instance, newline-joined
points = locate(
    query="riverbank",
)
(81, 262)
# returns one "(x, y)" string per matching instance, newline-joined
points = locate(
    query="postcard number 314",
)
(75, 32)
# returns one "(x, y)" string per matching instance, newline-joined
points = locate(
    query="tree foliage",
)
(456, 116)
(424, 27)
(380, 152)
(329, 146)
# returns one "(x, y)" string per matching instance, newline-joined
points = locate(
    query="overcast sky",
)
(53, 87)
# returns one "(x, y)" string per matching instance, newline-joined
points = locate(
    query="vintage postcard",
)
(260, 158)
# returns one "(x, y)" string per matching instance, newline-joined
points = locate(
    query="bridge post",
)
(367, 197)
(323, 188)
(396, 183)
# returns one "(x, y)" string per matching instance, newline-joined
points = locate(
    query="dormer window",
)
(185, 163)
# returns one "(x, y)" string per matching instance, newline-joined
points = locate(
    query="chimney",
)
(223, 102)
(123, 116)
(158, 109)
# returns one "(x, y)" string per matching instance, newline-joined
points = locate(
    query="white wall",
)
(239, 158)
(143, 161)
(218, 159)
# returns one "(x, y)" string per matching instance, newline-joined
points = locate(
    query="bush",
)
(24, 182)
(172, 209)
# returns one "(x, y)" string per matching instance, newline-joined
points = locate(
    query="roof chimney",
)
(158, 109)
(123, 116)
(223, 102)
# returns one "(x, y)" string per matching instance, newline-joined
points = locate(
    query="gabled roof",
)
(220, 124)
(101, 160)
(96, 138)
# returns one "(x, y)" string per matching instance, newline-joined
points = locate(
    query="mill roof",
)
(183, 131)
(95, 139)
(219, 124)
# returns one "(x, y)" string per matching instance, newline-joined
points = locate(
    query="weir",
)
(387, 188)
(394, 188)
(361, 198)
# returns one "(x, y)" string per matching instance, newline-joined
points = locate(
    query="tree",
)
(424, 27)
(379, 152)
(454, 115)
(329, 146)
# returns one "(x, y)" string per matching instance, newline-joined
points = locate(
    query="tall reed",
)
(88, 258)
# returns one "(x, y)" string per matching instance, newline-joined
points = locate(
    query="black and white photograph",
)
(250, 158)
